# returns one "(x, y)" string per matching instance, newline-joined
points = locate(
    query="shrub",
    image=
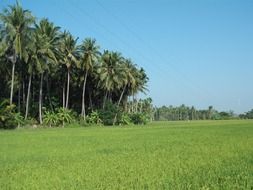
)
(124, 119)
(93, 118)
(108, 113)
(64, 115)
(51, 118)
(19, 119)
(139, 118)
(8, 118)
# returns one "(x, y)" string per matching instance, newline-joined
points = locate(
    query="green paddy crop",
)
(161, 155)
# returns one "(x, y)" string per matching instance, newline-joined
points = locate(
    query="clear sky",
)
(197, 52)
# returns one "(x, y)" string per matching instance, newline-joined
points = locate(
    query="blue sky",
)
(197, 52)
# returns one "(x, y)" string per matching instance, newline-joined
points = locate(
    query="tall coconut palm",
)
(110, 73)
(140, 86)
(128, 80)
(31, 47)
(42, 53)
(69, 57)
(17, 21)
(90, 54)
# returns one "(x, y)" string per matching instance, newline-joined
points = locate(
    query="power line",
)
(114, 35)
(77, 20)
(183, 76)
(156, 67)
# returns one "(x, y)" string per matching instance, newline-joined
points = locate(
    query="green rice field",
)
(160, 155)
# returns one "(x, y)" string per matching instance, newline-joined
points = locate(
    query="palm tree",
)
(128, 77)
(110, 73)
(141, 83)
(31, 66)
(42, 53)
(69, 57)
(17, 21)
(127, 80)
(90, 55)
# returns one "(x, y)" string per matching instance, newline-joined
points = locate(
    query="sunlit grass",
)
(161, 155)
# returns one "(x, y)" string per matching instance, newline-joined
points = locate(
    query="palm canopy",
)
(43, 46)
(89, 53)
(111, 71)
(17, 21)
(141, 80)
(68, 50)
(130, 73)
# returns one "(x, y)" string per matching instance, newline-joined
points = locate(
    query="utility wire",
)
(155, 67)
(115, 36)
(183, 75)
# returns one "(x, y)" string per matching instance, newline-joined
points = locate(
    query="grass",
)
(161, 155)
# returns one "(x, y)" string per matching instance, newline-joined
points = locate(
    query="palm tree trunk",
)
(67, 98)
(133, 103)
(129, 104)
(136, 105)
(28, 96)
(141, 106)
(83, 96)
(125, 105)
(105, 98)
(48, 93)
(12, 81)
(90, 100)
(110, 96)
(23, 91)
(121, 96)
(33, 89)
(19, 98)
(40, 98)
(63, 95)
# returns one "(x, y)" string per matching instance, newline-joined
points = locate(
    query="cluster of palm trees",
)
(43, 67)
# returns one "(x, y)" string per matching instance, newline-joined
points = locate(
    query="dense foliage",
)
(43, 69)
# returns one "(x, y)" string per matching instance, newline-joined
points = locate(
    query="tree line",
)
(43, 68)
(247, 115)
(183, 112)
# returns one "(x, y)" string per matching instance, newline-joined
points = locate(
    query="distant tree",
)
(249, 114)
